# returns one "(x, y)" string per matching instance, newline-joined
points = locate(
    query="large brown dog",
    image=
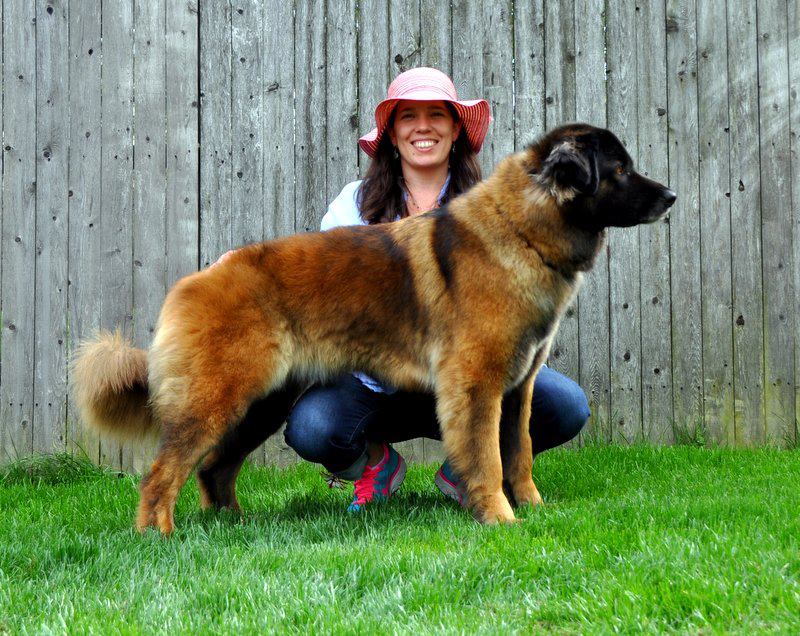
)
(462, 302)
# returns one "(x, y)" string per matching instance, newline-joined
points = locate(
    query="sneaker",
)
(379, 481)
(450, 485)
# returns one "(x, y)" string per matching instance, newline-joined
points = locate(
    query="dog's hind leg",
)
(217, 475)
(183, 445)
(468, 408)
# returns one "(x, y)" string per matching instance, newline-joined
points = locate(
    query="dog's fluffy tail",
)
(109, 383)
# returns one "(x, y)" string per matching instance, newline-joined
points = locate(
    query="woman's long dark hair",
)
(380, 197)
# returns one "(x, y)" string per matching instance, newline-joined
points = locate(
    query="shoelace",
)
(366, 485)
(332, 480)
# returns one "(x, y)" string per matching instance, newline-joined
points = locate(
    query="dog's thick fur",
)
(462, 302)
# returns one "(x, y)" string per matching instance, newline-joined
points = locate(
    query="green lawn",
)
(680, 539)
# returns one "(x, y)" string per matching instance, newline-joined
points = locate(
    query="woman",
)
(423, 152)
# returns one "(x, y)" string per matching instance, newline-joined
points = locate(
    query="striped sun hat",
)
(428, 84)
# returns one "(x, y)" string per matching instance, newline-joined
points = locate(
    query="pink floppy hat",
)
(428, 84)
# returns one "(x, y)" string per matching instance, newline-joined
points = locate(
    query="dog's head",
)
(591, 176)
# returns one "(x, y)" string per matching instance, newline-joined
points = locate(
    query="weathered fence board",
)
(216, 72)
(654, 297)
(776, 224)
(19, 228)
(182, 131)
(84, 204)
(247, 193)
(748, 338)
(687, 361)
(715, 222)
(623, 245)
(195, 127)
(52, 147)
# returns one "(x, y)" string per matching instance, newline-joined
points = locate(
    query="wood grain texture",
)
(623, 244)
(310, 120)
(776, 221)
(746, 246)
(654, 258)
(52, 241)
(18, 284)
(247, 111)
(715, 223)
(687, 349)
(215, 130)
(84, 201)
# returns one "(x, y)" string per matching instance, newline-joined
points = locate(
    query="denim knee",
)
(310, 428)
(321, 429)
(560, 409)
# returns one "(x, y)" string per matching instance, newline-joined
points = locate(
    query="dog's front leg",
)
(469, 416)
(515, 443)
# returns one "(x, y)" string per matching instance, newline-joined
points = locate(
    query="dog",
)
(462, 302)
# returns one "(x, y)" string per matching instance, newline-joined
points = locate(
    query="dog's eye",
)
(620, 169)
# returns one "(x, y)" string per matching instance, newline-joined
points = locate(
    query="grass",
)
(637, 539)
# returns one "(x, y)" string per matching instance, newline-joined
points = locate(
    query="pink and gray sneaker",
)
(380, 481)
(450, 485)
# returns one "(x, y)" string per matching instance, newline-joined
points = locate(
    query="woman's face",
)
(424, 133)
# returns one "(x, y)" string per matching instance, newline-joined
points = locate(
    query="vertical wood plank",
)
(776, 230)
(149, 178)
(715, 224)
(85, 245)
(278, 120)
(656, 367)
(247, 215)
(116, 180)
(215, 130)
(52, 148)
(436, 35)
(373, 66)
(559, 29)
(342, 96)
(468, 46)
(498, 76)
(404, 36)
(528, 71)
(593, 319)
(748, 344)
(623, 244)
(310, 117)
(182, 140)
(19, 228)
(794, 131)
(687, 363)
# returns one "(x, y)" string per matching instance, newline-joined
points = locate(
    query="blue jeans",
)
(331, 424)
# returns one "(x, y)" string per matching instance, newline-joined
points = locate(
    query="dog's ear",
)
(572, 163)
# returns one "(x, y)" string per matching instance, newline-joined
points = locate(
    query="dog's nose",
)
(669, 197)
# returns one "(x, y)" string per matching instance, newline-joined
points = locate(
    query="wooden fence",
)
(141, 140)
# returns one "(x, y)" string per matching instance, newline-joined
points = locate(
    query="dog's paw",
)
(494, 510)
(526, 494)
